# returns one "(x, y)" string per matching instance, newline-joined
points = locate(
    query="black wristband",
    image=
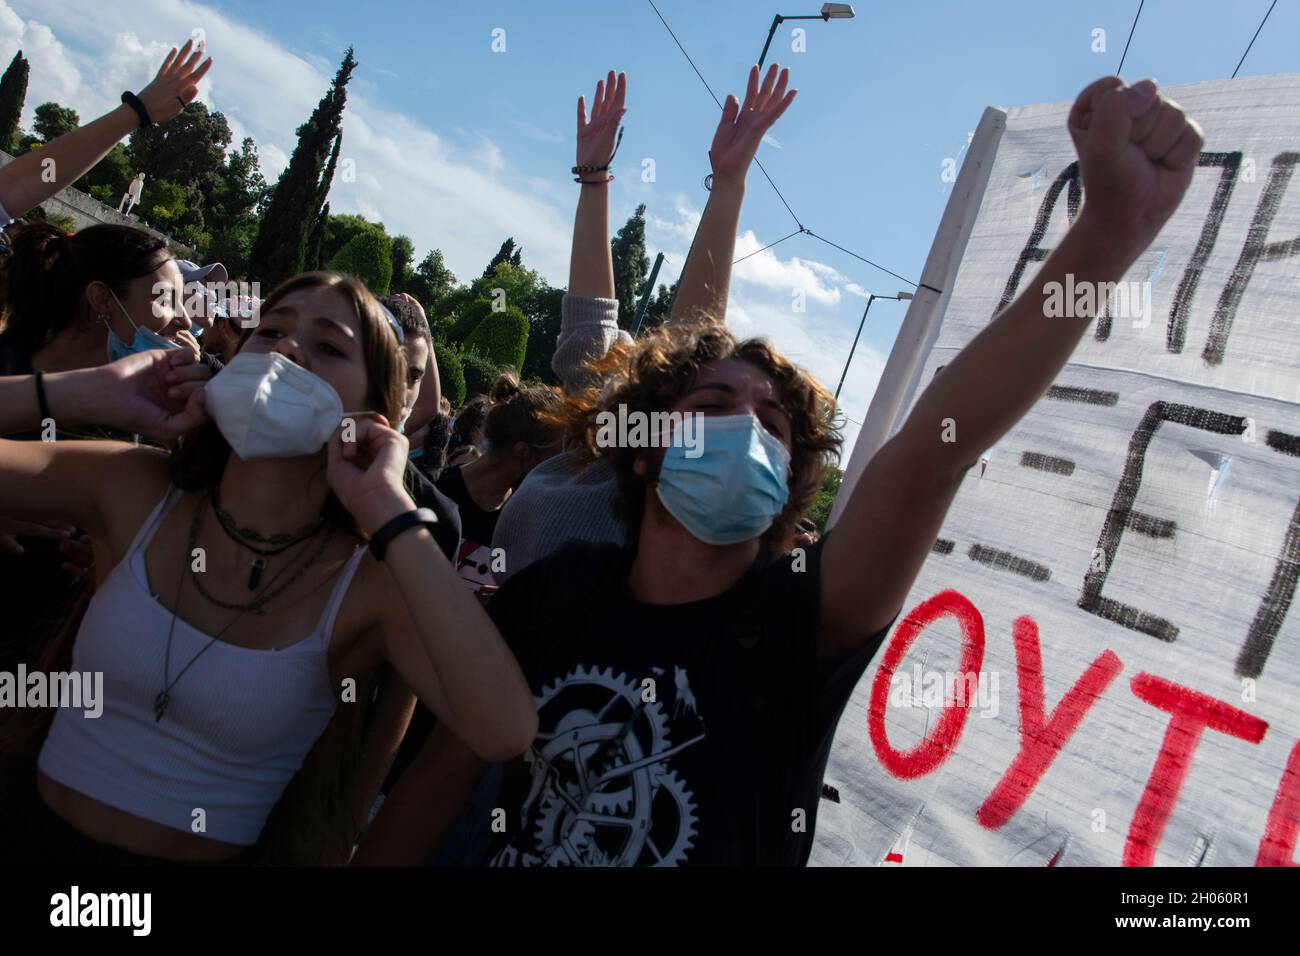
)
(40, 397)
(380, 540)
(133, 101)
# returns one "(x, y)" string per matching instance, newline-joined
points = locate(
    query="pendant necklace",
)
(163, 699)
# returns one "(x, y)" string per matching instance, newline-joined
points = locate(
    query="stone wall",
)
(85, 210)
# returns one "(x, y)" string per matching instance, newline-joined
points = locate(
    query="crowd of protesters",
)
(338, 621)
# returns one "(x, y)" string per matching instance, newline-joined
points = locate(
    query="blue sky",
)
(458, 146)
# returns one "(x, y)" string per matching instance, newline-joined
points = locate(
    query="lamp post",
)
(871, 297)
(830, 11)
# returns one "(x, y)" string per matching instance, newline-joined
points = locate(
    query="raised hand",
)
(366, 471)
(596, 136)
(743, 125)
(157, 393)
(1137, 154)
(177, 82)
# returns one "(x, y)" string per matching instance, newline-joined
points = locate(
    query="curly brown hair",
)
(658, 368)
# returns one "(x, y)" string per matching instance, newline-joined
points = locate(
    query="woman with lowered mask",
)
(73, 302)
(253, 584)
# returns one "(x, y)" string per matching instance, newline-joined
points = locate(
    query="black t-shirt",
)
(690, 734)
(474, 560)
(426, 495)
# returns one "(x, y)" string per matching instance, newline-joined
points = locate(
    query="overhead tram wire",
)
(1254, 38)
(802, 228)
(768, 246)
(1123, 56)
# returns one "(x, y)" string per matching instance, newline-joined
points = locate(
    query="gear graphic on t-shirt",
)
(609, 722)
(601, 792)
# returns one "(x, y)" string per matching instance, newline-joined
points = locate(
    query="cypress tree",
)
(631, 264)
(316, 240)
(280, 251)
(13, 92)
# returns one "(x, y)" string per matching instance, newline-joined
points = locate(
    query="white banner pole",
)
(898, 381)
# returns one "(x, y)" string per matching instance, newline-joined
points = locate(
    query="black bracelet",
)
(380, 540)
(586, 168)
(40, 397)
(133, 101)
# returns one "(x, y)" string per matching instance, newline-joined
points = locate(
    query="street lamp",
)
(871, 297)
(830, 11)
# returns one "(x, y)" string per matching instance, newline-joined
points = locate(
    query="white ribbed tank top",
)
(237, 728)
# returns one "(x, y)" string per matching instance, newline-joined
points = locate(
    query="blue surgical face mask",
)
(143, 341)
(735, 487)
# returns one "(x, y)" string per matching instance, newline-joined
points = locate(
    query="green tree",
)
(315, 258)
(430, 284)
(297, 200)
(232, 208)
(631, 265)
(368, 256)
(13, 93)
(543, 331)
(162, 204)
(659, 307)
(107, 180)
(451, 374)
(53, 120)
(342, 229)
(403, 252)
(480, 374)
(502, 338)
(825, 500)
(188, 150)
(507, 253)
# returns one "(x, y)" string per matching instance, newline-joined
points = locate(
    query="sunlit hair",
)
(521, 413)
(659, 368)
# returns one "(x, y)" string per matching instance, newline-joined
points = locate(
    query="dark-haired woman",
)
(239, 617)
(518, 438)
(72, 302)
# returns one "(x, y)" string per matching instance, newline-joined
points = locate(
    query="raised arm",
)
(157, 394)
(1137, 153)
(707, 275)
(589, 310)
(22, 183)
(437, 637)
(591, 263)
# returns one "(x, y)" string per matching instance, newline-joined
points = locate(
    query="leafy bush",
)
(451, 374)
(480, 373)
(468, 318)
(368, 256)
(502, 337)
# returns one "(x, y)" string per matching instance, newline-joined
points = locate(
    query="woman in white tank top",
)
(238, 613)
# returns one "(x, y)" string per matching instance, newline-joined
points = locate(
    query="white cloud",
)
(817, 282)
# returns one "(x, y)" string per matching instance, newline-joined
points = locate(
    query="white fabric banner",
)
(1100, 662)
